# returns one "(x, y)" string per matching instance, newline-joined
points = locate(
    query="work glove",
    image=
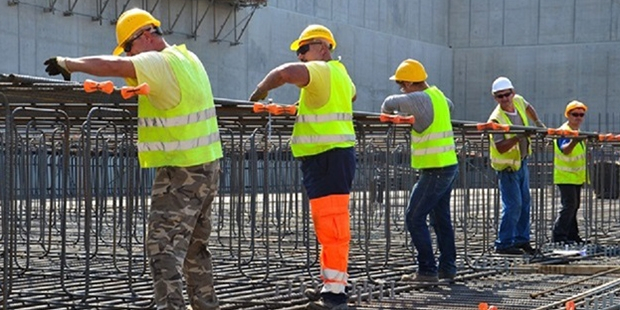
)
(56, 66)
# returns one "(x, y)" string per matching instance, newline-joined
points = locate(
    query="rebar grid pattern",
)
(74, 205)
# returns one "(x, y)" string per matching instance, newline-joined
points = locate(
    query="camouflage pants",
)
(179, 226)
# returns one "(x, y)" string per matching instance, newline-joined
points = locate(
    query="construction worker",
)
(509, 154)
(433, 153)
(179, 137)
(569, 173)
(323, 139)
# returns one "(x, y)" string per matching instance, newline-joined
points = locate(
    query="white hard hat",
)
(501, 83)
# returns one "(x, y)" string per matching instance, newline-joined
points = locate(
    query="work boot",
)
(419, 278)
(326, 301)
(527, 248)
(326, 305)
(312, 294)
(209, 307)
(213, 304)
(447, 277)
(509, 251)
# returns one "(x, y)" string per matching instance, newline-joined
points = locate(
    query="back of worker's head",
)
(410, 70)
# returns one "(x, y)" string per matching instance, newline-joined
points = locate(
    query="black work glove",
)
(56, 66)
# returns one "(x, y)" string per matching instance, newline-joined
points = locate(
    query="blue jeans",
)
(514, 226)
(431, 196)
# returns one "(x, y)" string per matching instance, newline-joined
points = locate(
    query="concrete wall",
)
(554, 51)
(373, 37)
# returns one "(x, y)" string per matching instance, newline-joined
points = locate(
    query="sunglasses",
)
(129, 44)
(578, 114)
(302, 50)
(504, 95)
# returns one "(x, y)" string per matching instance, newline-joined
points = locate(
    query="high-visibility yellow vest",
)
(186, 135)
(571, 168)
(317, 130)
(512, 157)
(434, 147)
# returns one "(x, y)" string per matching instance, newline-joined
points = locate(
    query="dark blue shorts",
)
(329, 173)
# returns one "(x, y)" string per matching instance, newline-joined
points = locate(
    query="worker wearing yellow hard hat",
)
(569, 173)
(128, 24)
(410, 70)
(178, 135)
(323, 139)
(314, 32)
(433, 154)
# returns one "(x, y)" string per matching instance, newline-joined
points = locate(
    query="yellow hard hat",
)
(575, 105)
(314, 32)
(129, 22)
(410, 70)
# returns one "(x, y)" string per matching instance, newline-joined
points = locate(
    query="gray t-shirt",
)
(417, 103)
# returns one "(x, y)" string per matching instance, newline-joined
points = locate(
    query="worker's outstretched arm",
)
(103, 65)
(291, 73)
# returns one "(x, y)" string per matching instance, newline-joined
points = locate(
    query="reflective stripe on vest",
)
(511, 158)
(177, 121)
(324, 118)
(567, 158)
(571, 168)
(179, 145)
(322, 139)
(330, 126)
(432, 136)
(433, 150)
(186, 135)
(434, 147)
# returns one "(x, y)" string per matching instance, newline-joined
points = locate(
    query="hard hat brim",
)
(295, 45)
(393, 78)
(119, 48)
(117, 51)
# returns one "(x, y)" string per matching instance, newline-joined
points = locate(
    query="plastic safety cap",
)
(410, 70)
(129, 22)
(314, 32)
(575, 105)
(501, 83)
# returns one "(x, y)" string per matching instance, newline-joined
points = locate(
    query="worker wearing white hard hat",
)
(509, 152)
